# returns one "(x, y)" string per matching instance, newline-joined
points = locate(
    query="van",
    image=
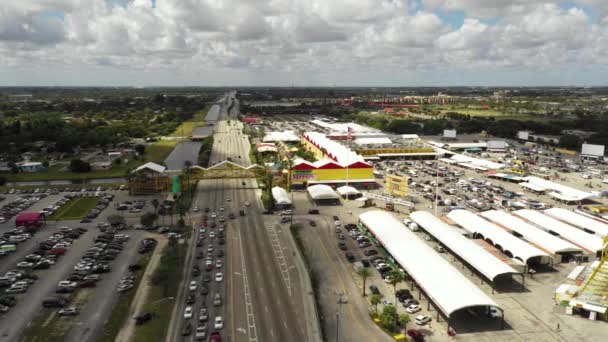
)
(8, 248)
(357, 266)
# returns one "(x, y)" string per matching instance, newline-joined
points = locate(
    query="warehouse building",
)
(430, 271)
(323, 195)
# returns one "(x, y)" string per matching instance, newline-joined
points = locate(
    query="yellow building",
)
(326, 171)
(397, 185)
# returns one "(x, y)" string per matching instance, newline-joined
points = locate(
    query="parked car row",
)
(102, 204)
(8, 210)
(147, 245)
(55, 191)
(132, 206)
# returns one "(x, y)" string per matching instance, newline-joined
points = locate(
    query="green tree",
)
(375, 300)
(3, 180)
(387, 317)
(404, 319)
(364, 273)
(77, 165)
(395, 277)
(140, 149)
(148, 219)
(116, 220)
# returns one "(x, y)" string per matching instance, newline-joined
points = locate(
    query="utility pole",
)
(340, 303)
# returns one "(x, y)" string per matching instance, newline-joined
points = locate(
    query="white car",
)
(218, 323)
(213, 215)
(67, 283)
(247, 203)
(219, 277)
(218, 263)
(25, 264)
(196, 209)
(221, 208)
(211, 235)
(188, 312)
(337, 223)
(192, 286)
(422, 319)
(413, 308)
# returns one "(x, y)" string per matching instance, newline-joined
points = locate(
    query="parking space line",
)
(278, 252)
(251, 327)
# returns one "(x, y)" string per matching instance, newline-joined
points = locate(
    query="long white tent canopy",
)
(575, 235)
(281, 196)
(544, 240)
(449, 289)
(578, 220)
(475, 255)
(475, 224)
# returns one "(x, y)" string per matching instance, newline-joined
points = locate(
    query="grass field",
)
(186, 128)
(170, 268)
(75, 209)
(56, 173)
(158, 151)
(120, 311)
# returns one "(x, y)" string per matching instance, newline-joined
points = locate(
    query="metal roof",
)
(475, 255)
(575, 235)
(321, 191)
(476, 224)
(430, 270)
(578, 220)
(280, 195)
(540, 238)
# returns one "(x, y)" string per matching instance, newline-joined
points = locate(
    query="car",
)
(217, 299)
(187, 330)
(341, 237)
(25, 264)
(188, 312)
(196, 209)
(422, 319)
(221, 208)
(313, 223)
(218, 323)
(219, 277)
(413, 308)
(247, 203)
(69, 311)
(349, 256)
(313, 211)
(370, 252)
(201, 332)
(192, 286)
(440, 249)
(191, 299)
(409, 302)
(342, 245)
(337, 223)
(203, 315)
(204, 290)
(219, 263)
(206, 278)
(143, 318)
(215, 337)
(374, 289)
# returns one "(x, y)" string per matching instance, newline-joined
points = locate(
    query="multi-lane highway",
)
(262, 301)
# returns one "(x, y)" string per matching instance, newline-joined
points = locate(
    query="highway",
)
(262, 301)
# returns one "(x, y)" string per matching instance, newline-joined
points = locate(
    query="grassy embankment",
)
(120, 311)
(75, 209)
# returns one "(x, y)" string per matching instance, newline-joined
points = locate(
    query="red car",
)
(58, 251)
(215, 336)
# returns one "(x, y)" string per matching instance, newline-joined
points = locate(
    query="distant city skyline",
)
(304, 43)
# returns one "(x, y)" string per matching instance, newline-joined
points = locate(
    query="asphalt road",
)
(260, 305)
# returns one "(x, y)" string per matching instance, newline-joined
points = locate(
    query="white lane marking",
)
(278, 253)
(253, 335)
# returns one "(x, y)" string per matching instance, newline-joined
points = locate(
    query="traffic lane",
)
(336, 279)
(100, 305)
(238, 326)
(267, 280)
(29, 303)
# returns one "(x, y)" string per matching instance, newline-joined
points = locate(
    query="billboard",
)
(397, 185)
(497, 145)
(523, 135)
(593, 150)
(449, 133)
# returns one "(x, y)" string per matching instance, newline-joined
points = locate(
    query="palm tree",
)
(395, 277)
(375, 300)
(187, 170)
(364, 273)
(155, 204)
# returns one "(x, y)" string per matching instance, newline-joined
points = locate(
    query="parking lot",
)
(93, 299)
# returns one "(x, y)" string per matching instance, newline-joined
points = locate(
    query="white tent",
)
(561, 192)
(475, 255)
(348, 191)
(373, 141)
(280, 196)
(322, 192)
(150, 166)
(430, 270)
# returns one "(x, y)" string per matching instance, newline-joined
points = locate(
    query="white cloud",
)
(304, 37)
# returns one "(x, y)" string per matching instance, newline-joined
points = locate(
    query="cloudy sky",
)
(303, 42)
